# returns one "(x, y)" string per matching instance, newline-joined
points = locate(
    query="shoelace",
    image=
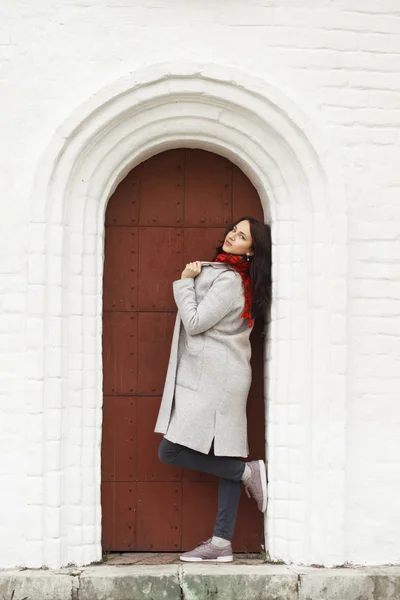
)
(205, 543)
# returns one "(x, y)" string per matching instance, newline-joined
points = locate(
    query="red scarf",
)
(242, 266)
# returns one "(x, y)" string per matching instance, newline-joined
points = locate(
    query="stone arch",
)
(286, 156)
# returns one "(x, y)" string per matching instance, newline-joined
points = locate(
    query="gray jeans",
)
(229, 471)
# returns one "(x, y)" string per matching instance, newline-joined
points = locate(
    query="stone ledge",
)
(199, 582)
(36, 585)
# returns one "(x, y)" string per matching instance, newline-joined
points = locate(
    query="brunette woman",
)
(203, 409)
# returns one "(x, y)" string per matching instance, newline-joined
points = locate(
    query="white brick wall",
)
(339, 62)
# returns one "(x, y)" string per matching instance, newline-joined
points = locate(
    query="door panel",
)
(257, 340)
(171, 209)
(160, 263)
(245, 200)
(119, 515)
(208, 187)
(120, 438)
(150, 468)
(255, 427)
(154, 341)
(123, 206)
(162, 190)
(200, 503)
(248, 526)
(159, 507)
(120, 272)
(201, 243)
(119, 352)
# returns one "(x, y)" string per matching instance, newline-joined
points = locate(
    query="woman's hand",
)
(191, 270)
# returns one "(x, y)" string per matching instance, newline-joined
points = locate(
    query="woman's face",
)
(239, 240)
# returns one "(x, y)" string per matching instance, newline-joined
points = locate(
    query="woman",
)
(203, 409)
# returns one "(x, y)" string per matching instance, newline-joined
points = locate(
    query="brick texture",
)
(338, 61)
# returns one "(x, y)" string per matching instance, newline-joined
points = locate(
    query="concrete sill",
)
(200, 582)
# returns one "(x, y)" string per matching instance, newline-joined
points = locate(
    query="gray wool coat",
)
(209, 373)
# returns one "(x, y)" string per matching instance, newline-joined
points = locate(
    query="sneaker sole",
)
(223, 559)
(263, 476)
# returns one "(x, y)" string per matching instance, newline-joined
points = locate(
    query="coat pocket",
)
(190, 366)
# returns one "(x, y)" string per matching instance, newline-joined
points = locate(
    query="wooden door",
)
(169, 210)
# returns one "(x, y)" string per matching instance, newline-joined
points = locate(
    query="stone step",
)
(202, 582)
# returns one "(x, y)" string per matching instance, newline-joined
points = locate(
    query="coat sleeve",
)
(216, 304)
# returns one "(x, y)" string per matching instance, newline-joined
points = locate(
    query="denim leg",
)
(228, 501)
(229, 470)
(221, 466)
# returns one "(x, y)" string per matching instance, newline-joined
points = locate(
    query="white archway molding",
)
(299, 182)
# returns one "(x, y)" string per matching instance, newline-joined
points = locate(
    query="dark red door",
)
(169, 210)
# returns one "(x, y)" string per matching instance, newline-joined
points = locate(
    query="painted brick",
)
(339, 63)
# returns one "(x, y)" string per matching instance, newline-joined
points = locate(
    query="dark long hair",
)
(260, 266)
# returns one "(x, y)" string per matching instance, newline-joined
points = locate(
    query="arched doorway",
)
(170, 209)
(296, 169)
